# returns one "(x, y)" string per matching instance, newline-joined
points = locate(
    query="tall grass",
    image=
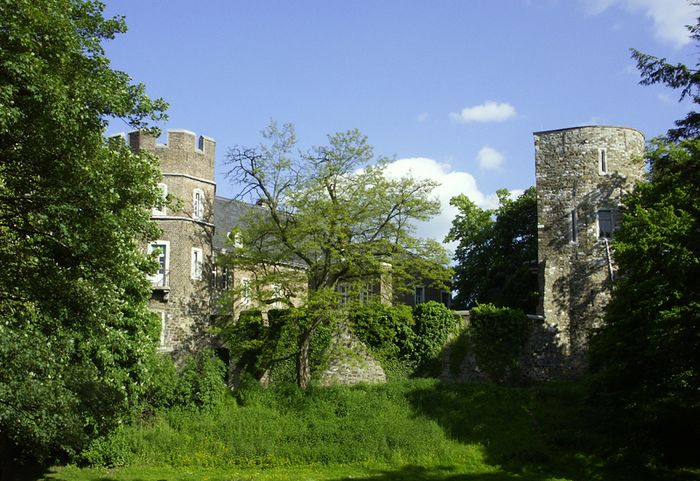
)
(285, 426)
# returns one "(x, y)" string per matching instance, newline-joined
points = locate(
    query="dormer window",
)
(198, 204)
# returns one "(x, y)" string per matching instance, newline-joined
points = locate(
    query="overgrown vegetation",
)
(647, 356)
(418, 429)
(496, 337)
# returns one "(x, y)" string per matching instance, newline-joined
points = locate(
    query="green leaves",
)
(496, 251)
(74, 216)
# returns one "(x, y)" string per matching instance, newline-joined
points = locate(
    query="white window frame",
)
(197, 264)
(198, 204)
(155, 211)
(603, 167)
(160, 278)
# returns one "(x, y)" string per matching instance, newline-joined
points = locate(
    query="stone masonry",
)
(181, 292)
(582, 174)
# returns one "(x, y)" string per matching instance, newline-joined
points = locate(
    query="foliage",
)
(647, 355)
(434, 324)
(201, 381)
(76, 338)
(496, 336)
(417, 429)
(326, 217)
(656, 70)
(271, 347)
(496, 252)
(386, 329)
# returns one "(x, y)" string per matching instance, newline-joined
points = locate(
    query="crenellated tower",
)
(582, 174)
(181, 289)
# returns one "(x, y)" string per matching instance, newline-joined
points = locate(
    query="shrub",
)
(434, 324)
(497, 337)
(201, 384)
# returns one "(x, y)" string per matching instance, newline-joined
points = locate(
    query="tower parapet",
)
(582, 174)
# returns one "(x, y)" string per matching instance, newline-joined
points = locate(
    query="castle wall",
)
(581, 173)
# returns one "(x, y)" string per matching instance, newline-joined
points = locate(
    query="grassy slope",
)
(416, 430)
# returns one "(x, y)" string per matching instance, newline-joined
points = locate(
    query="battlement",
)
(178, 140)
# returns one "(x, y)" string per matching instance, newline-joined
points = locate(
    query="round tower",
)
(181, 293)
(582, 174)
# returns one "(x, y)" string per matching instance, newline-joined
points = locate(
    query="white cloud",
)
(489, 158)
(489, 111)
(422, 117)
(451, 183)
(669, 16)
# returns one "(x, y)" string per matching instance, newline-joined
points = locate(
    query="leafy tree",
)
(326, 216)
(75, 333)
(647, 355)
(496, 252)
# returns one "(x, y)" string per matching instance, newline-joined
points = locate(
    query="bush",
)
(201, 383)
(434, 324)
(497, 337)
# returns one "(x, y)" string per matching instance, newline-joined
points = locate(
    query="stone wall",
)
(582, 173)
(350, 361)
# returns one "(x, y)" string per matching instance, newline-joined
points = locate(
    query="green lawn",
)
(413, 430)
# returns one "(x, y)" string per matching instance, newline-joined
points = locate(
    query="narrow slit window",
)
(603, 161)
(198, 204)
(574, 227)
(197, 263)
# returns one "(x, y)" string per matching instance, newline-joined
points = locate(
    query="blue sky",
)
(452, 89)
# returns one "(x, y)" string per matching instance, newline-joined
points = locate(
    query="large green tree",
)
(75, 333)
(647, 356)
(325, 217)
(496, 252)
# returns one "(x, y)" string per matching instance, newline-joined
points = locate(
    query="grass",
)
(413, 430)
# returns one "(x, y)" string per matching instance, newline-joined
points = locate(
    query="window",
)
(602, 161)
(197, 263)
(245, 291)
(420, 295)
(277, 296)
(365, 294)
(574, 227)
(160, 278)
(606, 225)
(235, 238)
(344, 291)
(221, 278)
(164, 194)
(198, 204)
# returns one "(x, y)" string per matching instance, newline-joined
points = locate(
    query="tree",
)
(75, 333)
(496, 251)
(647, 355)
(326, 217)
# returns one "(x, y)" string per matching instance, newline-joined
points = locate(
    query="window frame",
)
(160, 278)
(197, 264)
(198, 200)
(603, 167)
(611, 219)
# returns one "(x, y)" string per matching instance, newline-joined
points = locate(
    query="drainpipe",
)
(610, 266)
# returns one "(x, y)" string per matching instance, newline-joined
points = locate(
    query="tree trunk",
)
(303, 367)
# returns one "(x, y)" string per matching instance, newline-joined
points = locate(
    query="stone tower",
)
(181, 289)
(582, 173)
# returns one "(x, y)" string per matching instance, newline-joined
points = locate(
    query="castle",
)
(581, 175)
